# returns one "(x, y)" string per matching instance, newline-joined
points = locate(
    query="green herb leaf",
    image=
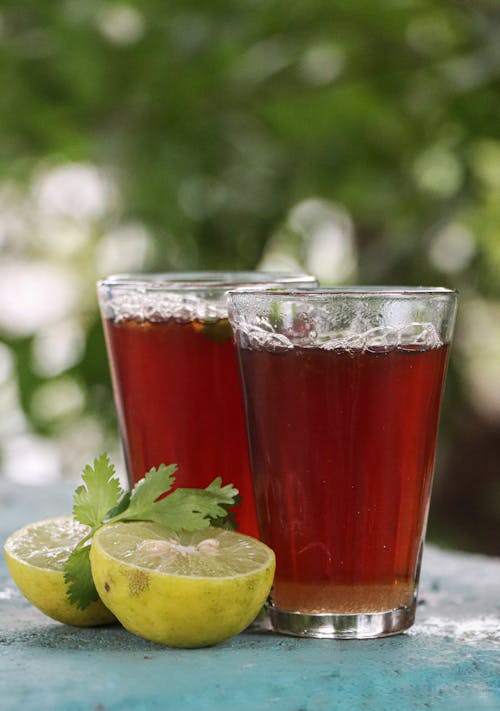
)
(101, 500)
(183, 509)
(146, 492)
(275, 318)
(220, 331)
(120, 507)
(187, 509)
(78, 578)
(228, 521)
(99, 493)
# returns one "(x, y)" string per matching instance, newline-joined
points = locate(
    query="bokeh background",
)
(357, 140)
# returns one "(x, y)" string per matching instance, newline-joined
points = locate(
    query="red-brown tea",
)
(342, 446)
(178, 399)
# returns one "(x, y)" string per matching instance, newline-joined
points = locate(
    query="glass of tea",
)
(175, 376)
(342, 392)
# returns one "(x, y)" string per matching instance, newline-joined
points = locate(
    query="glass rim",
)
(188, 281)
(348, 291)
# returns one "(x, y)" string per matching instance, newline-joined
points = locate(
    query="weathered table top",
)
(449, 661)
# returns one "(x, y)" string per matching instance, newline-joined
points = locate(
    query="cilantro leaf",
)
(121, 506)
(226, 494)
(185, 509)
(147, 490)
(78, 577)
(101, 500)
(228, 521)
(99, 493)
(219, 331)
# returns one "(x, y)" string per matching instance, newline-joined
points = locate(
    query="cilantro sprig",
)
(101, 500)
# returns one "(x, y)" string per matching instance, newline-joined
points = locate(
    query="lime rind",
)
(35, 557)
(181, 589)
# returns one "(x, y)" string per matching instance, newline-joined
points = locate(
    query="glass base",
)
(353, 626)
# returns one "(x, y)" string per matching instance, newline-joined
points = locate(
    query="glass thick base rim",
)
(366, 625)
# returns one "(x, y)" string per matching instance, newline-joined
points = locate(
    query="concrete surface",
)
(449, 661)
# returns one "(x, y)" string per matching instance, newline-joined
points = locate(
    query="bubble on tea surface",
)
(419, 334)
(260, 334)
(156, 306)
(415, 334)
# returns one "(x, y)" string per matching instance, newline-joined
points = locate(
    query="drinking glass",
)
(342, 391)
(175, 376)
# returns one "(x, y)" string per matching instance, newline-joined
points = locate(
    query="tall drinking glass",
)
(175, 376)
(342, 392)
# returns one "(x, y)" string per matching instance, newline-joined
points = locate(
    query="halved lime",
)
(35, 557)
(181, 589)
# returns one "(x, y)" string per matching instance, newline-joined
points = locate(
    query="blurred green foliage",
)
(215, 120)
(242, 108)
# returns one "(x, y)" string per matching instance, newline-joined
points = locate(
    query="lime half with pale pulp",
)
(182, 589)
(35, 557)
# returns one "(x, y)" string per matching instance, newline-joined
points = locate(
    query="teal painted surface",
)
(449, 661)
